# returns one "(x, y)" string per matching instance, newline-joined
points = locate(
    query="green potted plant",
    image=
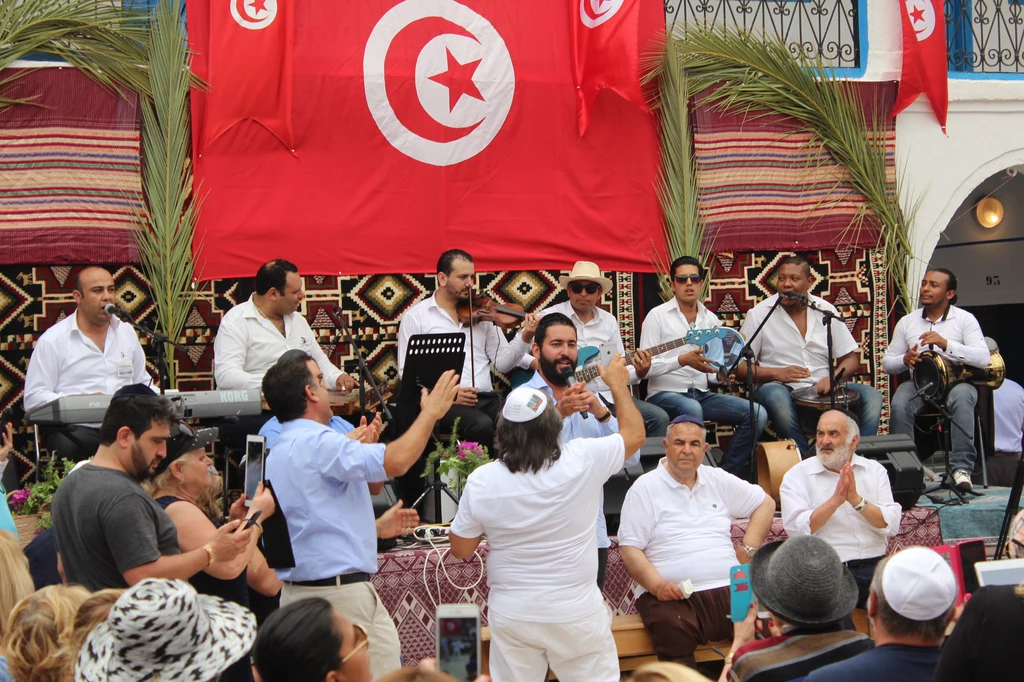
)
(31, 506)
(455, 459)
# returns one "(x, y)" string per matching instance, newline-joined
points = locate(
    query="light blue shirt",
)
(319, 477)
(575, 426)
(272, 429)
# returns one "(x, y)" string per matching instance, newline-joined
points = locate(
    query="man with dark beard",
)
(842, 498)
(583, 413)
(109, 532)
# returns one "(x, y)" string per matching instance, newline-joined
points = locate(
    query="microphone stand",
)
(826, 319)
(947, 447)
(159, 340)
(748, 354)
(364, 371)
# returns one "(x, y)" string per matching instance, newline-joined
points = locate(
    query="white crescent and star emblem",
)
(254, 14)
(922, 17)
(462, 72)
(593, 13)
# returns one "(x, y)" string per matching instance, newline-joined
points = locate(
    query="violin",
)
(486, 309)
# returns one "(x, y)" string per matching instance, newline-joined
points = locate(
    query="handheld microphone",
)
(113, 310)
(568, 375)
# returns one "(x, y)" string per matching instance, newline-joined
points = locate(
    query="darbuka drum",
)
(808, 397)
(934, 375)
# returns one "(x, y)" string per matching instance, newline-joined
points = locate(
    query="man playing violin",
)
(596, 327)
(679, 383)
(954, 334)
(477, 405)
(792, 354)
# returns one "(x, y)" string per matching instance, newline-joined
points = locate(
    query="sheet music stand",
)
(427, 357)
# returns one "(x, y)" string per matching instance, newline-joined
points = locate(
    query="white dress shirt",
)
(809, 484)
(684, 533)
(1008, 404)
(489, 342)
(780, 344)
(965, 343)
(602, 331)
(66, 362)
(249, 344)
(667, 323)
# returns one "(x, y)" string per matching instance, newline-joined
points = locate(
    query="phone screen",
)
(254, 459)
(457, 647)
(971, 553)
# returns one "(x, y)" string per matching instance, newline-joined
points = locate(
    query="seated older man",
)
(842, 498)
(676, 526)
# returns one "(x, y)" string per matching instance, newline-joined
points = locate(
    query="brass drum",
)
(935, 375)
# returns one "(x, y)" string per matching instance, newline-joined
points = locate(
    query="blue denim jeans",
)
(960, 402)
(717, 407)
(655, 418)
(777, 399)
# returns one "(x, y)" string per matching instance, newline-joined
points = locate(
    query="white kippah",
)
(918, 584)
(524, 404)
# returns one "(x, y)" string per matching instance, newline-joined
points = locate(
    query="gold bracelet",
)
(209, 554)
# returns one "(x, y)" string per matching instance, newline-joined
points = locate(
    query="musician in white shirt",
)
(679, 383)
(792, 355)
(88, 353)
(954, 334)
(597, 328)
(842, 498)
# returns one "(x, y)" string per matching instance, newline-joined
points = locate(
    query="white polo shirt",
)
(687, 533)
(541, 531)
(809, 484)
(780, 344)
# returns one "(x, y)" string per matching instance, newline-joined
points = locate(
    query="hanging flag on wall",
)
(924, 57)
(605, 52)
(248, 67)
(421, 126)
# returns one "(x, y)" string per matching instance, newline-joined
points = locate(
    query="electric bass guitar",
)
(590, 358)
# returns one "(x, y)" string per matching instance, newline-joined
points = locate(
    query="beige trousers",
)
(361, 604)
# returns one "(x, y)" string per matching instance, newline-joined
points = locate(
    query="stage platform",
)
(981, 517)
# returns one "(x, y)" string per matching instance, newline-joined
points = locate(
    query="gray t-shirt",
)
(104, 524)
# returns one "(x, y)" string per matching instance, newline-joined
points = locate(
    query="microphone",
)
(794, 296)
(568, 375)
(113, 310)
(924, 389)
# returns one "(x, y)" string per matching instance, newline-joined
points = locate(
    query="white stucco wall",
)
(985, 127)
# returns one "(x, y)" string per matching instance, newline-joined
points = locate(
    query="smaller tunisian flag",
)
(250, 67)
(924, 57)
(605, 52)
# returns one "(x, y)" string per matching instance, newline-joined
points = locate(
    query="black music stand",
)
(427, 357)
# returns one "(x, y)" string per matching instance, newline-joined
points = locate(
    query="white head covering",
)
(918, 584)
(524, 404)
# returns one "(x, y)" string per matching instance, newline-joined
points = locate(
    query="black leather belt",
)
(857, 563)
(343, 579)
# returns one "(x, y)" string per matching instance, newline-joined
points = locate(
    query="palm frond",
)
(166, 230)
(108, 43)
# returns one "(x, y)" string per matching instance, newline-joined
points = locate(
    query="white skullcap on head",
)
(918, 584)
(524, 404)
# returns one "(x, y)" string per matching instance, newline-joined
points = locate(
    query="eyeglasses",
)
(359, 644)
(683, 279)
(580, 287)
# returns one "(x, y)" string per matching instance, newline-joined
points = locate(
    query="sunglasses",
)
(360, 633)
(589, 287)
(683, 279)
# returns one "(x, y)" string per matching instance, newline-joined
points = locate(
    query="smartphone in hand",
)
(255, 464)
(458, 640)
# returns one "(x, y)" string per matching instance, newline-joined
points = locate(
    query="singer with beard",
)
(791, 354)
(476, 406)
(842, 498)
(955, 335)
(583, 413)
(88, 353)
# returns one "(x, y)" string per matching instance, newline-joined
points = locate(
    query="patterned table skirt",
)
(412, 582)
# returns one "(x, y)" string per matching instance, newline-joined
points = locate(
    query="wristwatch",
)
(859, 507)
(749, 550)
(606, 417)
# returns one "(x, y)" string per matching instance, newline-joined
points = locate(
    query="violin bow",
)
(472, 353)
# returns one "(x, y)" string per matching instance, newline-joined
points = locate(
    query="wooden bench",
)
(632, 641)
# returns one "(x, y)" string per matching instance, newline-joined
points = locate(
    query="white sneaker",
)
(962, 479)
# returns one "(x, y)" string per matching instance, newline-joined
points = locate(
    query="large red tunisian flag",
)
(605, 52)
(924, 57)
(423, 125)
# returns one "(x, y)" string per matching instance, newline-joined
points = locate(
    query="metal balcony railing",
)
(985, 36)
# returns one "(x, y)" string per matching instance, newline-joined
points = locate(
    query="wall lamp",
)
(989, 212)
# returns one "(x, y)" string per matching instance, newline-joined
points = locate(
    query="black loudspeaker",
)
(898, 454)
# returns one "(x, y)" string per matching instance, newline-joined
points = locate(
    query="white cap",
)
(918, 584)
(524, 404)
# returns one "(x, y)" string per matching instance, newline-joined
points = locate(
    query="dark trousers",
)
(74, 441)
(678, 627)
(863, 571)
(602, 566)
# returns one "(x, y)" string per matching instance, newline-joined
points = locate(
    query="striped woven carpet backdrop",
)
(70, 177)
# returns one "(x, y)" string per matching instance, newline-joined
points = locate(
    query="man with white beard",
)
(842, 498)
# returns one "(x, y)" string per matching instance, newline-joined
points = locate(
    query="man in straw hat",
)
(912, 600)
(596, 327)
(804, 586)
(538, 507)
